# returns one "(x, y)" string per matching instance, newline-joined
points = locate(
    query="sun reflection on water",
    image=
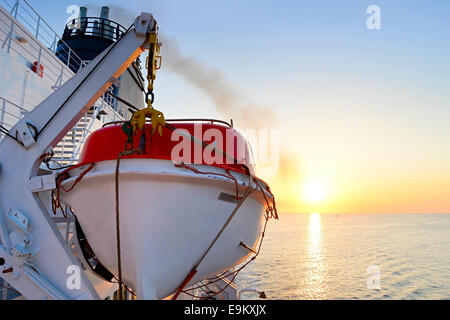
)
(316, 268)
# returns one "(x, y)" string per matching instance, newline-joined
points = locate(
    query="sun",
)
(314, 191)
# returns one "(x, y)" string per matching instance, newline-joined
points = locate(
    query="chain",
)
(151, 66)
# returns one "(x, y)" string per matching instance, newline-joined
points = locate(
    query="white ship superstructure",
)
(35, 61)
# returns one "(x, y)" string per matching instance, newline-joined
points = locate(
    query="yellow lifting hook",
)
(153, 63)
(157, 117)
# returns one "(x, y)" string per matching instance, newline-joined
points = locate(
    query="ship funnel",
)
(106, 29)
(83, 20)
(83, 12)
(104, 13)
(88, 35)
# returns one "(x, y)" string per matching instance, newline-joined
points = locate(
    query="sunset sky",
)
(364, 115)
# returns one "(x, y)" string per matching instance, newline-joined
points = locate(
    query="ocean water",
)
(352, 256)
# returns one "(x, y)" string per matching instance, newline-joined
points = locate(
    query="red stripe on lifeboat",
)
(106, 144)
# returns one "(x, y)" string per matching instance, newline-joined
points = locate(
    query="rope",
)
(238, 205)
(271, 212)
(271, 207)
(224, 275)
(56, 202)
(126, 287)
(122, 100)
(228, 175)
(119, 261)
(78, 179)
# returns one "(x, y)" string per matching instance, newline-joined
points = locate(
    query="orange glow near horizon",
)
(362, 188)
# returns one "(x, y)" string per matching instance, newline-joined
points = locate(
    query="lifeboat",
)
(181, 201)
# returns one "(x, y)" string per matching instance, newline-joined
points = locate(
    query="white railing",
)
(40, 29)
(10, 114)
(18, 34)
(22, 21)
(68, 151)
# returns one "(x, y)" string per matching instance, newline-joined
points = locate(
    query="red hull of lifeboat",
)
(108, 142)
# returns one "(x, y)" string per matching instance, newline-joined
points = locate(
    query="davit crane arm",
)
(34, 258)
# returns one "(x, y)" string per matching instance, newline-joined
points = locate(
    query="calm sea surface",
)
(327, 256)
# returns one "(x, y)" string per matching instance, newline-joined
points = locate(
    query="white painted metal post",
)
(68, 57)
(37, 27)
(53, 46)
(38, 67)
(2, 116)
(15, 9)
(9, 37)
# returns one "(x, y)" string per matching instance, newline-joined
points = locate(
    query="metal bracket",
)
(23, 249)
(243, 245)
(144, 24)
(42, 183)
(227, 197)
(25, 134)
(19, 220)
(23, 246)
